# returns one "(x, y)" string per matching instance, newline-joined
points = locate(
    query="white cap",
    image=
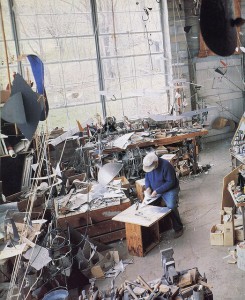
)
(149, 162)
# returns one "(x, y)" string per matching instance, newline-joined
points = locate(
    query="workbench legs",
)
(141, 240)
(195, 164)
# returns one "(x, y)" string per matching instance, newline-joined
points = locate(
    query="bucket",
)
(241, 256)
(197, 294)
(60, 294)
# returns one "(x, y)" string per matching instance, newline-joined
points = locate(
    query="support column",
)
(97, 45)
(15, 34)
(167, 51)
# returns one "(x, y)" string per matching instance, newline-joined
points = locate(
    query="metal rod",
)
(167, 48)
(15, 34)
(5, 46)
(97, 45)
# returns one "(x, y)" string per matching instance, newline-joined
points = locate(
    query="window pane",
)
(131, 48)
(61, 34)
(66, 117)
(11, 52)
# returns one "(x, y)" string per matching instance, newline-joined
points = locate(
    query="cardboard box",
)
(229, 231)
(124, 182)
(229, 210)
(105, 261)
(239, 235)
(217, 235)
(4, 95)
(238, 220)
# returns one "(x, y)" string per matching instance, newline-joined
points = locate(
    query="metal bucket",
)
(60, 294)
(198, 294)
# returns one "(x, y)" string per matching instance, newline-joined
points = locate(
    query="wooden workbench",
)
(142, 227)
(169, 140)
(162, 141)
(98, 223)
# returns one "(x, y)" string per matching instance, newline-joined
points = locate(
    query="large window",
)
(131, 56)
(10, 48)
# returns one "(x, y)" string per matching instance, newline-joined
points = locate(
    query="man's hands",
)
(150, 193)
(153, 194)
(149, 196)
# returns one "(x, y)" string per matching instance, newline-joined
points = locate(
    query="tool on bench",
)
(148, 199)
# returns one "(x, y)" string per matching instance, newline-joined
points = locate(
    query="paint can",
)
(241, 256)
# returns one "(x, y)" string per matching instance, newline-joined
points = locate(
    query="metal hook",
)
(113, 98)
(150, 42)
(147, 14)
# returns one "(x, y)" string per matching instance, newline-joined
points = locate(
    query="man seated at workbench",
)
(161, 182)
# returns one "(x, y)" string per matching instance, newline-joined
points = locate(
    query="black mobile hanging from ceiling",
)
(218, 26)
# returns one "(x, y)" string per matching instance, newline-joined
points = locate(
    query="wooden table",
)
(169, 140)
(142, 227)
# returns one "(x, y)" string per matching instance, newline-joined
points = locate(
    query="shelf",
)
(234, 199)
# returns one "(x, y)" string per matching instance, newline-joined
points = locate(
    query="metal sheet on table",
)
(145, 216)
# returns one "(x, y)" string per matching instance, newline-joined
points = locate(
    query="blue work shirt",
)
(163, 178)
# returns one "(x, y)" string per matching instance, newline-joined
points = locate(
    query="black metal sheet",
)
(31, 105)
(13, 110)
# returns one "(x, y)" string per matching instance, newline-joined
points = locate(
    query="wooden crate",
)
(97, 223)
(140, 187)
(217, 235)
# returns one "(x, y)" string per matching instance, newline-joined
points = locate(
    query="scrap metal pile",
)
(174, 285)
(128, 149)
(36, 254)
(54, 259)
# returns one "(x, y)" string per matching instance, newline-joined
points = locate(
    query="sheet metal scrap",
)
(172, 285)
